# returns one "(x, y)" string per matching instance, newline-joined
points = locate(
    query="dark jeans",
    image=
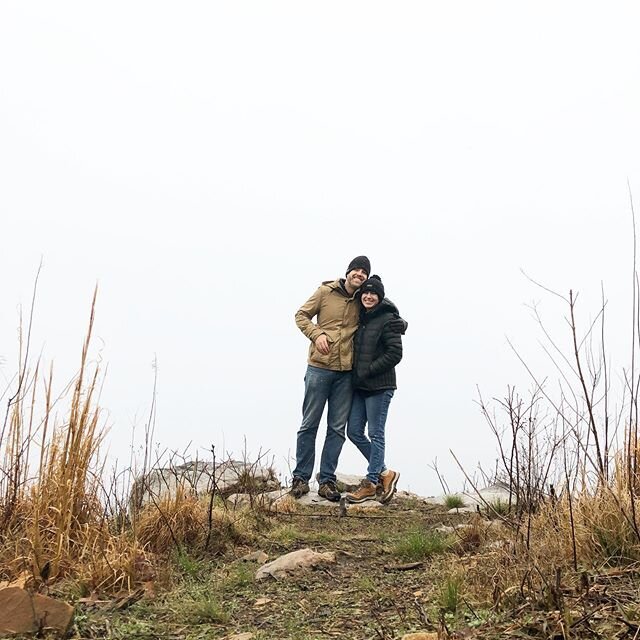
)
(370, 410)
(333, 388)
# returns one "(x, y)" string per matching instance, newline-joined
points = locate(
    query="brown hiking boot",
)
(366, 491)
(388, 480)
(329, 491)
(299, 487)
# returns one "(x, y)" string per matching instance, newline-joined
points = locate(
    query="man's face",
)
(355, 278)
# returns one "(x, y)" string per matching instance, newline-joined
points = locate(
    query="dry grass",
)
(56, 518)
(52, 521)
(572, 466)
(181, 522)
(543, 555)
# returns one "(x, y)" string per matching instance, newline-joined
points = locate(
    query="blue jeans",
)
(370, 410)
(333, 388)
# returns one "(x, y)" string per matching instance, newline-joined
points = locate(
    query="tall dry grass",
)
(53, 521)
(60, 516)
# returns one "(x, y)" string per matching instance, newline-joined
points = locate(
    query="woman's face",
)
(369, 299)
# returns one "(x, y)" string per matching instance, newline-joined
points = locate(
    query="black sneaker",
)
(329, 491)
(299, 487)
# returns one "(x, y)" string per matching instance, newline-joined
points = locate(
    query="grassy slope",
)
(363, 595)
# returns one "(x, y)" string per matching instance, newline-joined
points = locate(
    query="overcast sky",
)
(209, 164)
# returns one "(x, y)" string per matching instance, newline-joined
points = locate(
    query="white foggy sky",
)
(209, 164)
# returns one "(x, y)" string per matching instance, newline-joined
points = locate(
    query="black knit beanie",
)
(373, 284)
(360, 262)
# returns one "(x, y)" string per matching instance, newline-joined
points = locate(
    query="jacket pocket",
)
(315, 357)
(321, 358)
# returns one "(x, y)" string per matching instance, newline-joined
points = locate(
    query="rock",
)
(310, 499)
(257, 556)
(491, 494)
(199, 478)
(261, 500)
(420, 635)
(239, 500)
(294, 561)
(17, 615)
(472, 499)
(363, 506)
(345, 481)
(24, 614)
(52, 615)
(446, 529)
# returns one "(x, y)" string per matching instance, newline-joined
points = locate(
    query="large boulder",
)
(199, 478)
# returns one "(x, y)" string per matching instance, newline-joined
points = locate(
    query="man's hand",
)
(398, 325)
(322, 344)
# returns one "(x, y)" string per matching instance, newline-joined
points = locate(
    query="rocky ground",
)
(367, 584)
(394, 572)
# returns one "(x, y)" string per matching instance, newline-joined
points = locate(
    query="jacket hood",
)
(386, 306)
(337, 285)
(333, 284)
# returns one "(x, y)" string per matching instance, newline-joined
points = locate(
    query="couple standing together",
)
(355, 345)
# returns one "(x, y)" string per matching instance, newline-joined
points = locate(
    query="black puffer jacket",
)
(377, 347)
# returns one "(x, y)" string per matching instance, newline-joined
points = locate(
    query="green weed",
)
(449, 598)
(364, 583)
(240, 576)
(285, 534)
(498, 508)
(188, 566)
(420, 544)
(453, 502)
(201, 604)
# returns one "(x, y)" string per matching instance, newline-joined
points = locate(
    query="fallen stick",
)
(404, 567)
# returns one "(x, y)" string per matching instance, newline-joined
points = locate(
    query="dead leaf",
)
(149, 589)
(409, 566)
(262, 601)
(93, 601)
(126, 600)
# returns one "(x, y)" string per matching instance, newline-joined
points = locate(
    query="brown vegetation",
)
(557, 560)
(59, 516)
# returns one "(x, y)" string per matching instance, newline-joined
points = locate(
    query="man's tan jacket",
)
(336, 314)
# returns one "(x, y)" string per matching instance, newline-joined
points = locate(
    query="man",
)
(328, 377)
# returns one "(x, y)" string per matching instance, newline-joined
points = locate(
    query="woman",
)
(377, 350)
